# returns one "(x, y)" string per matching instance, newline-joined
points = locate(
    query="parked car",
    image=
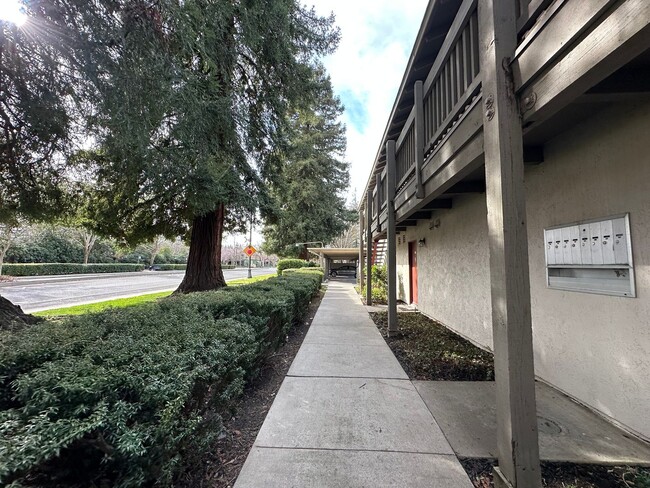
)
(347, 270)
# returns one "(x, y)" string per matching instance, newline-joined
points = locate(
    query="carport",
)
(329, 254)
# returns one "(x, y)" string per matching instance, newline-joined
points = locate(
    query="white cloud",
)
(376, 40)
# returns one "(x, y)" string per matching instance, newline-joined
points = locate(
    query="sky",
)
(376, 40)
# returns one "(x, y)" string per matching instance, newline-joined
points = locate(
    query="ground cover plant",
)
(429, 351)
(567, 475)
(123, 397)
(46, 269)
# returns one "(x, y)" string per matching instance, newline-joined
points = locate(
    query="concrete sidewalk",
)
(346, 415)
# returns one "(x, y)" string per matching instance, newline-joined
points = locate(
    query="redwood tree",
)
(189, 143)
(184, 103)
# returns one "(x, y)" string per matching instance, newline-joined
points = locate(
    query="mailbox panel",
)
(576, 257)
(566, 245)
(596, 245)
(607, 242)
(585, 244)
(593, 256)
(619, 228)
(557, 245)
(549, 245)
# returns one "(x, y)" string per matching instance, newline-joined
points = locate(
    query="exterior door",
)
(413, 271)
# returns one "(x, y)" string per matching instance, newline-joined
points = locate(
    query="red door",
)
(413, 271)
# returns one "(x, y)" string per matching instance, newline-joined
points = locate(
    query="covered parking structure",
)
(333, 257)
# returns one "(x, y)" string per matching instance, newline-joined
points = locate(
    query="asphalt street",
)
(36, 293)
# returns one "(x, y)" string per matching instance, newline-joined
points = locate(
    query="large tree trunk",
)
(204, 261)
(13, 317)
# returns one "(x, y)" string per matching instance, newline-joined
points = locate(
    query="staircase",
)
(379, 252)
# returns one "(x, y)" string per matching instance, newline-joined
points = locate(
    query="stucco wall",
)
(596, 348)
(453, 269)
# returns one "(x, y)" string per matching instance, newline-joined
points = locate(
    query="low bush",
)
(42, 269)
(122, 397)
(379, 290)
(291, 264)
(170, 267)
(308, 270)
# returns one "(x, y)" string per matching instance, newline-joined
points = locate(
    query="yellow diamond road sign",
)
(249, 250)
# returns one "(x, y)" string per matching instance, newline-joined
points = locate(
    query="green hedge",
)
(123, 397)
(315, 270)
(42, 269)
(291, 264)
(170, 267)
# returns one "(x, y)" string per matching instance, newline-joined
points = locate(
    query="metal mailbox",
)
(592, 256)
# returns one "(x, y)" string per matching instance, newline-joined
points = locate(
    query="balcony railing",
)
(450, 85)
(440, 101)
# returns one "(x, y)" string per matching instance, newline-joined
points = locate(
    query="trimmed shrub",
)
(314, 270)
(118, 398)
(42, 269)
(291, 264)
(170, 267)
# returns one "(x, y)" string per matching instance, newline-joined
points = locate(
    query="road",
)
(37, 293)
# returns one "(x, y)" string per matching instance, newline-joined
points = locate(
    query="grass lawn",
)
(128, 302)
(246, 281)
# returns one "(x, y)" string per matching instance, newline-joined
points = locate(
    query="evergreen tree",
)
(185, 100)
(189, 141)
(308, 198)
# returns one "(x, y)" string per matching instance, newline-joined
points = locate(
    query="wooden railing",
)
(440, 100)
(453, 80)
(529, 11)
(405, 155)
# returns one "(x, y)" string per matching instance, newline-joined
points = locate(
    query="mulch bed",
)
(221, 469)
(429, 351)
(567, 475)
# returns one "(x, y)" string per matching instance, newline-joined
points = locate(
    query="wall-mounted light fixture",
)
(421, 242)
(434, 224)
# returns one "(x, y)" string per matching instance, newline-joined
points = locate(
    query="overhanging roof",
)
(438, 17)
(336, 252)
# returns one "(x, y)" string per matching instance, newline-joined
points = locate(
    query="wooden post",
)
(391, 251)
(360, 270)
(418, 99)
(517, 440)
(369, 248)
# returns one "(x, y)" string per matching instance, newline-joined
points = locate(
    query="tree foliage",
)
(194, 110)
(183, 102)
(308, 199)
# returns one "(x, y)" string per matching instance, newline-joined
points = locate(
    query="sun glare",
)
(12, 11)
